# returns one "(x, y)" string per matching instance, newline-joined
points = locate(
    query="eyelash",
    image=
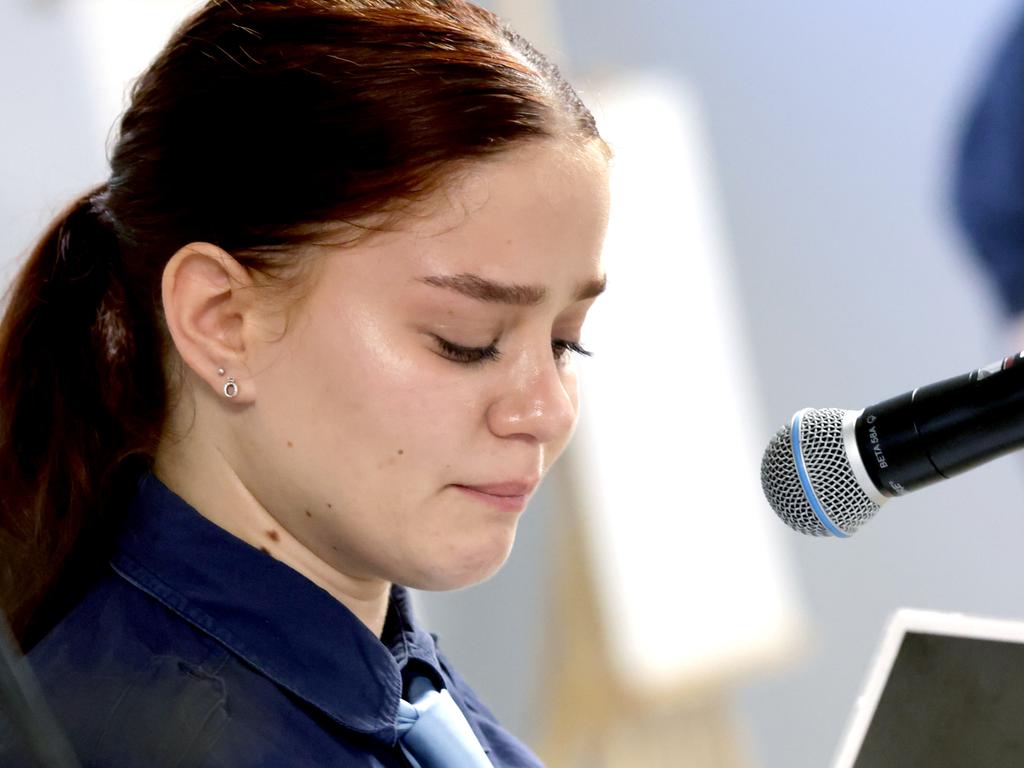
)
(475, 355)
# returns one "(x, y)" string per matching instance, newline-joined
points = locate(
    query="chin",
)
(456, 570)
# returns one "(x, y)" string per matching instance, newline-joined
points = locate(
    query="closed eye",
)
(560, 348)
(467, 355)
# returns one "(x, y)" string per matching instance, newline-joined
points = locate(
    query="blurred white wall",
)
(64, 69)
(48, 141)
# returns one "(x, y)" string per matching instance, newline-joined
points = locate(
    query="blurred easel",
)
(592, 718)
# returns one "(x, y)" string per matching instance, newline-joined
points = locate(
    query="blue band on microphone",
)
(805, 481)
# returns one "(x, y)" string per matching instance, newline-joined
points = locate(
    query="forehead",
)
(535, 215)
(530, 178)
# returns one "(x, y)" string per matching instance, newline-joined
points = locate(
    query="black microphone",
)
(830, 470)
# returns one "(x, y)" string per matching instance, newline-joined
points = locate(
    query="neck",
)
(205, 479)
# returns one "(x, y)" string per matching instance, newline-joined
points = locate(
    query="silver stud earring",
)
(231, 387)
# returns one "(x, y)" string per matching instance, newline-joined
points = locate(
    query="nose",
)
(538, 401)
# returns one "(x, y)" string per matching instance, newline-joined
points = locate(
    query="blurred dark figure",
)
(989, 175)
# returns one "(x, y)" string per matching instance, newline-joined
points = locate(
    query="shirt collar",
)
(270, 615)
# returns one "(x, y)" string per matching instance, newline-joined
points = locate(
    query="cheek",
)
(571, 382)
(376, 401)
(571, 387)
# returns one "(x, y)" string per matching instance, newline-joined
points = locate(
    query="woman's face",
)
(427, 383)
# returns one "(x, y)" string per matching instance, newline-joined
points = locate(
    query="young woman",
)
(310, 344)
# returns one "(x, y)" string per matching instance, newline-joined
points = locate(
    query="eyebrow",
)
(482, 289)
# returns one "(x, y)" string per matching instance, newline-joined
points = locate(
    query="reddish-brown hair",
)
(257, 120)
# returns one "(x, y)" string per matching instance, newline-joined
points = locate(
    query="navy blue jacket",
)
(200, 650)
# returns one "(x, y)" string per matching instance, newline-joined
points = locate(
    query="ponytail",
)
(81, 398)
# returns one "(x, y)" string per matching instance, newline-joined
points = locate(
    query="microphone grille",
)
(828, 468)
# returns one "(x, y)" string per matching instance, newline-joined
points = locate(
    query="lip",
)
(513, 488)
(509, 496)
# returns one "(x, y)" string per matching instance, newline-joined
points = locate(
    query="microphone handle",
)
(943, 429)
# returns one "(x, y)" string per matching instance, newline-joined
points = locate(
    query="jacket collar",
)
(278, 621)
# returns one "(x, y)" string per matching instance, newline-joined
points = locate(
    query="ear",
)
(207, 299)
